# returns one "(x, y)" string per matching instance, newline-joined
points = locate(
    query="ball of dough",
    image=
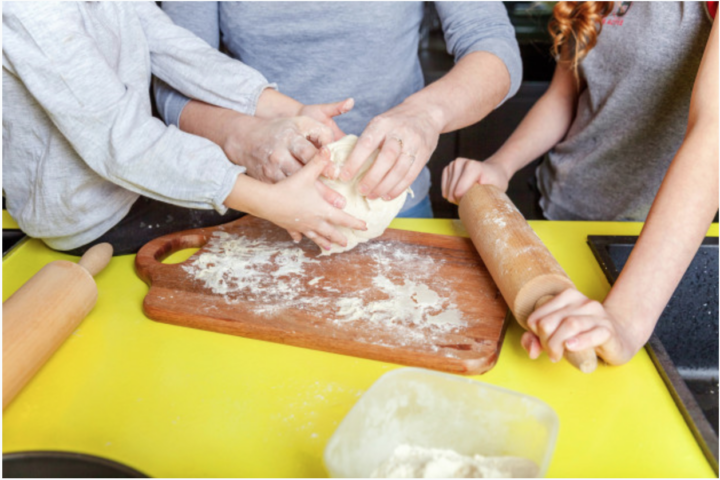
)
(377, 213)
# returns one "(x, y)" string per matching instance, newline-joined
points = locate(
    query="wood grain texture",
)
(176, 297)
(523, 267)
(42, 313)
(39, 317)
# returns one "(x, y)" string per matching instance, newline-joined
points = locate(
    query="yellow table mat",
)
(178, 402)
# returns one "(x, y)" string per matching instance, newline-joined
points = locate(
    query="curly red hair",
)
(576, 26)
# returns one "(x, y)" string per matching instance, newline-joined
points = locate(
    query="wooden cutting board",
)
(410, 298)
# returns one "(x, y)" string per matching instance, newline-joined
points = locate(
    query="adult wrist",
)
(236, 134)
(273, 104)
(434, 114)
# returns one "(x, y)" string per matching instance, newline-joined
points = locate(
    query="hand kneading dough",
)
(377, 213)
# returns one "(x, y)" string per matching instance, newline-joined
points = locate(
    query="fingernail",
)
(386, 198)
(363, 189)
(326, 247)
(339, 203)
(553, 360)
(345, 176)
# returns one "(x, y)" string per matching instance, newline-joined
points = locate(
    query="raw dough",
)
(409, 461)
(377, 213)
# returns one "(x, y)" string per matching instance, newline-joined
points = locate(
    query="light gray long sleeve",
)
(79, 141)
(481, 27)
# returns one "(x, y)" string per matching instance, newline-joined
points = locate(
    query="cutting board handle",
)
(148, 261)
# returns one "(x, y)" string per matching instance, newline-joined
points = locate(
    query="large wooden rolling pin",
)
(40, 315)
(523, 268)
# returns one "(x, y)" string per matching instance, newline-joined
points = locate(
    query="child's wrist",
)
(501, 164)
(634, 329)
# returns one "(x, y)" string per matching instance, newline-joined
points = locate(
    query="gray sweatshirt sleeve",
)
(108, 124)
(482, 27)
(200, 18)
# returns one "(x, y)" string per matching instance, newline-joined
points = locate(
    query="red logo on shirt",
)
(616, 18)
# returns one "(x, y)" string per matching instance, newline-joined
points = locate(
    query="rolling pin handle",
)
(585, 360)
(96, 258)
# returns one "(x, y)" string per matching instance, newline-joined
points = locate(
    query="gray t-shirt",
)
(318, 52)
(631, 118)
(80, 144)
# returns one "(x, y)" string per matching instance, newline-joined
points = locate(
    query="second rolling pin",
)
(42, 313)
(523, 268)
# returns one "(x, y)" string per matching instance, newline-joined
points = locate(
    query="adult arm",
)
(543, 127)
(488, 70)
(266, 159)
(678, 220)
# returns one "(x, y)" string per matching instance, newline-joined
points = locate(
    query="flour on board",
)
(406, 297)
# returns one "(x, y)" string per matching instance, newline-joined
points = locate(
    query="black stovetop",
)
(684, 345)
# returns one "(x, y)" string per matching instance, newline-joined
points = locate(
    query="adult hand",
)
(273, 149)
(463, 173)
(406, 136)
(298, 206)
(573, 322)
(324, 113)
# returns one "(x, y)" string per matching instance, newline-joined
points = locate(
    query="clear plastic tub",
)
(437, 410)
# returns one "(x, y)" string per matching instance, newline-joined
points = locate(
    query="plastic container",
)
(438, 410)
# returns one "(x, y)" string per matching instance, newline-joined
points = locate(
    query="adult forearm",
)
(273, 104)
(675, 227)
(466, 94)
(214, 123)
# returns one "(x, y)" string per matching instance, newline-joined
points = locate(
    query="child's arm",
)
(542, 128)
(295, 204)
(677, 222)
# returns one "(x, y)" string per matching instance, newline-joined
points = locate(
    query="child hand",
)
(299, 206)
(463, 173)
(573, 322)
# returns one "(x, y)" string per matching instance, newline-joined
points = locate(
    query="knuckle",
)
(595, 305)
(366, 140)
(378, 120)
(275, 157)
(573, 322)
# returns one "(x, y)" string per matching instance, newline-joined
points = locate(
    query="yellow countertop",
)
(178, 402)
(8, 223)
